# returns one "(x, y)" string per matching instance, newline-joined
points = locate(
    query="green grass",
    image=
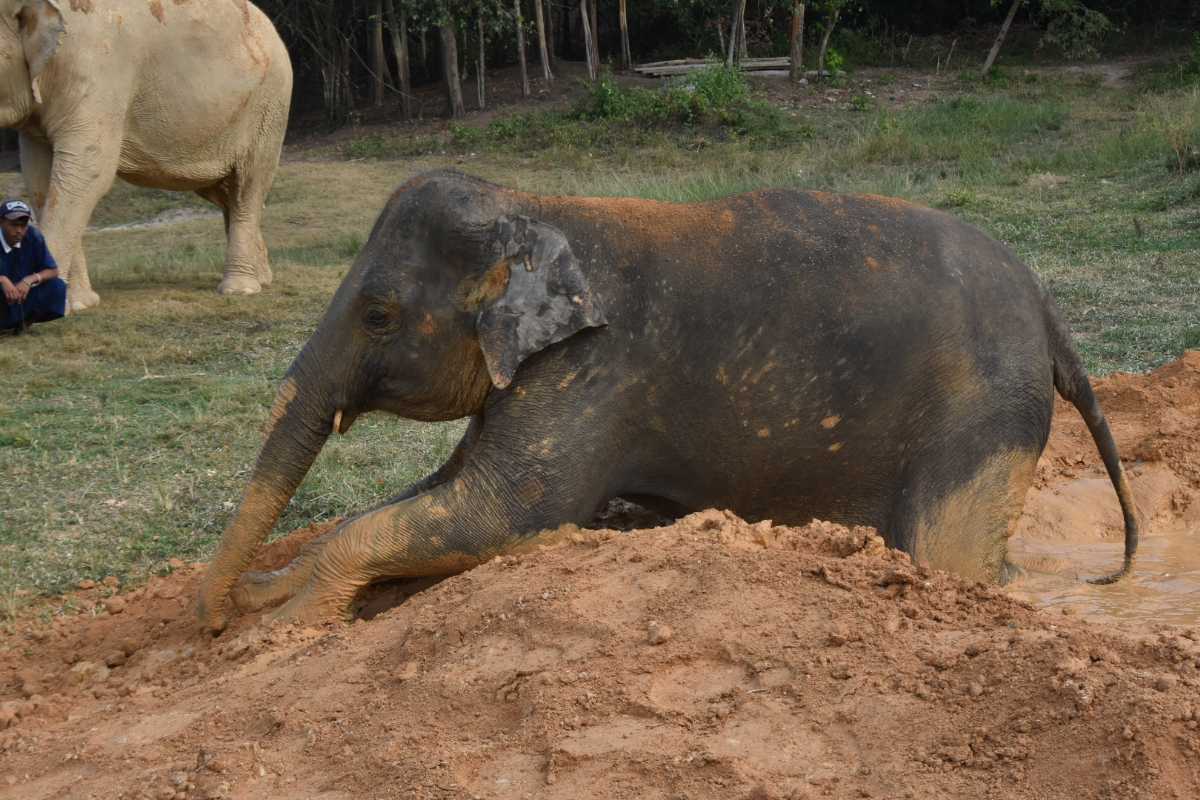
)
(127, 432)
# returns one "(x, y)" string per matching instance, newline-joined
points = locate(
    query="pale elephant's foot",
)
(256, 590)
(265, 276)
(239, 285)
(79, 298)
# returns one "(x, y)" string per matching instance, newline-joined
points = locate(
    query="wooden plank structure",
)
(681, 66)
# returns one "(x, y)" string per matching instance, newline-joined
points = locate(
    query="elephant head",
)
(452, 292)
(29, 37)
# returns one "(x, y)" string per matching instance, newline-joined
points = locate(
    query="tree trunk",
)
(626, 53)
(797, 53)
(450, 70)
(399, 29)
(379, 66)
(480, 64)
(825, 41)
(589, 44)
(995, 51)
(553, 26)
(739, 19)
(521, 49)
(543, 49)
(743, 50)
(592, 6)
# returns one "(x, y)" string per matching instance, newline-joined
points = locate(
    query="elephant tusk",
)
(337, 422)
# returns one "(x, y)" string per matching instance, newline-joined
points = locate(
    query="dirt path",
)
(709, 659)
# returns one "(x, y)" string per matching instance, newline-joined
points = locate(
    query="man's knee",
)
(49, 299)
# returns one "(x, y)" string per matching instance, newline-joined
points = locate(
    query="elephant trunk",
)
(301, 420)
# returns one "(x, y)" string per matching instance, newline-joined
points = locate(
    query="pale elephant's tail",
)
(1071, 380)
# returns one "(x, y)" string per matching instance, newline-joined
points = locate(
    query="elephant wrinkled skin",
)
(783, 354)
(189, 95)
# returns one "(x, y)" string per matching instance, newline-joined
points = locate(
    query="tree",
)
(542, 48)
(379, 66)
(797, 41)
(589, 39)
(454, 95)
(833, 10)
(521, 48)
(735, 33)
(626, 56)
(995, 51)
(1069, 25)
(399, 30)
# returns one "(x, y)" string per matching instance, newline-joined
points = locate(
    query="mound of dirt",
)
(711, 658)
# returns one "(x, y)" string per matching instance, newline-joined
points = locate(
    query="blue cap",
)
(15, 209)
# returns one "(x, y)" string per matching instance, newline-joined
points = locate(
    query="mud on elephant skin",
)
(783, 354)
(187, 95)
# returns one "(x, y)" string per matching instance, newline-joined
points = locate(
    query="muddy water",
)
(1164, 587)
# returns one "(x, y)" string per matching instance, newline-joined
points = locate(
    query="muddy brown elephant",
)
(188, 96)
(783, 354)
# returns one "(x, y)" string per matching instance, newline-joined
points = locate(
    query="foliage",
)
(1175, 119)
(1073, 28)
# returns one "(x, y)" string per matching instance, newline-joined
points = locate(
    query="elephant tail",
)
(1071, 380)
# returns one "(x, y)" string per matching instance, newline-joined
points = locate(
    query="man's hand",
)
(11, 293)
(23, 288)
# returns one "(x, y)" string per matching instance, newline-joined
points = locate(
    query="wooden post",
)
(995, 51)
(399, 29)
(542, 46)
(450, 70)
(521, 49)
(626, 56)
(797, 50)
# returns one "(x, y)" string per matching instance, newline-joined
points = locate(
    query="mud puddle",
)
(1164, 587)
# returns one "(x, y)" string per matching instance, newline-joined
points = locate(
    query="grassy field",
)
(126, 432)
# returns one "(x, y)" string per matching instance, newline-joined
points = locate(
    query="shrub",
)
(1175, 119)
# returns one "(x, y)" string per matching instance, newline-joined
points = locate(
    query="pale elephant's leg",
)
(82, 172)
(247, 268)
(36, 159)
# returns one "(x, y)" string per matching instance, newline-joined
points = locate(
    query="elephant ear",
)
(541, 296)
(42, 28)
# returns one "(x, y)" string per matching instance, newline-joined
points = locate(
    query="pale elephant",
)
(181, 95)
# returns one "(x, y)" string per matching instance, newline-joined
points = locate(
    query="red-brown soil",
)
(709, 659)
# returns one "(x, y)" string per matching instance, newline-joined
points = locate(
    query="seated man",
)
(33, 292)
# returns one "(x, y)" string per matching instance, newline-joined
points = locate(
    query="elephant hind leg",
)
(962, 524)
(243, 195)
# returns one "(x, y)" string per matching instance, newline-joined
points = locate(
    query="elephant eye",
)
(379, 319)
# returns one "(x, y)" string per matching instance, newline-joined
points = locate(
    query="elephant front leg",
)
(82, 171)
(442, 532)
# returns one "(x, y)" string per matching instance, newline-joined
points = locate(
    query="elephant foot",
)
(239, 285)
(79, 298)
(256, 590)
(265, 276)
(211, 613)
(314, 606)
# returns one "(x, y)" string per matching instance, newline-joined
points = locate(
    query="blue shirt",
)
(30, 256)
